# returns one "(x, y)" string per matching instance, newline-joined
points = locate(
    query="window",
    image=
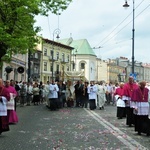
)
(45, 66)
(57, 57)
(45, 51)
(51, 52)
(82, 65)
(51, 67)
(57, 67)
(35, 69)
(73, 65)
(35, 55)
(63, 57)
(68, 58)
(67, 68)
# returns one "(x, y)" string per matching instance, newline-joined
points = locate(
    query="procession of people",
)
(130, 98)
(133, 100)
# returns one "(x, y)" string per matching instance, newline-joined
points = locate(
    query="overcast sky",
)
(105, 24)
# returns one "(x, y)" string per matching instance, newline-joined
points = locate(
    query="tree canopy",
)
(17, 19)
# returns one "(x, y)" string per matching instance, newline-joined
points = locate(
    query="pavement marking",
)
(129, 142)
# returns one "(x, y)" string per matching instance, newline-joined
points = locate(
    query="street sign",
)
(134, 75)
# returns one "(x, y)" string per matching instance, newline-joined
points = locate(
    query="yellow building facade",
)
(56, 59)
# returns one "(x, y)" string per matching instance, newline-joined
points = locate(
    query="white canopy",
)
(75, 75)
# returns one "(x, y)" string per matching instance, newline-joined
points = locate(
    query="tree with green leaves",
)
(17, 19)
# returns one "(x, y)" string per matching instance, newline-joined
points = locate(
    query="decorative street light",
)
(57, 32)
(133, 30)
(8, 70)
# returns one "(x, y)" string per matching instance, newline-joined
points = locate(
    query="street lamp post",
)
(52, 54)
(29, 65)
(57, 32)
(133, 30)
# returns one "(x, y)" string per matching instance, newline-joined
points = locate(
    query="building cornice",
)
(57, 44)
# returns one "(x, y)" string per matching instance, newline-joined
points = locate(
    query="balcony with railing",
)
(53, 58)
(64, 61)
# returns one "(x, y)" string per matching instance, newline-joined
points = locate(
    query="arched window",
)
(82, 65)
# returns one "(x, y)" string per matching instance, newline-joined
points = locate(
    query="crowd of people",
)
(131, 99)
(14, 92)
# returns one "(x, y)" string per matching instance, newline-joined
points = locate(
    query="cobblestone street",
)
(71, 129)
